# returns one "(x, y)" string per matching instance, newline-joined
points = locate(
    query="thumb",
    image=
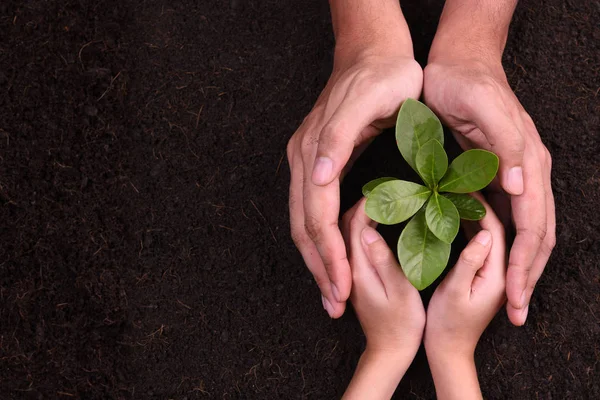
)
(470, 261)
(348, 127)
(507, 142)
(381, 257)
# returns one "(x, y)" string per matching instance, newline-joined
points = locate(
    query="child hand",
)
(472, 292)
(461, 308)
(388, 306)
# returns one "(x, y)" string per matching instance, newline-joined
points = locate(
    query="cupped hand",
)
(361, 98)
(474, 99)
(471, 294)
(388, 306)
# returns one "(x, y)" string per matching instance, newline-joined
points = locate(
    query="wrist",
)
(446, 355)
(454, 375)
(377, 375)
(365, 28)
(391, 364)
(396, 357)
(472, 30)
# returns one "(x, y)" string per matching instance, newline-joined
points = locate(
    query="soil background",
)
(144, 237)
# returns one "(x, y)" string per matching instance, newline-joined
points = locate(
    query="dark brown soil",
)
(144, 240)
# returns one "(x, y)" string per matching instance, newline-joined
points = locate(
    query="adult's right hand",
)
(362, 97)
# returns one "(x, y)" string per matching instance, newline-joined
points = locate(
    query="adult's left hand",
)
(473, 98)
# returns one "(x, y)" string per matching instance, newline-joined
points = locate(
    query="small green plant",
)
(436, 209)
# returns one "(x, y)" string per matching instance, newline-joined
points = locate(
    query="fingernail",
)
(370, 235)
(483, 238)
(322, 171)
(336, 292)
(327, 306)
(515, 180)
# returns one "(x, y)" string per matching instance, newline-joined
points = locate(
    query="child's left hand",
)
(388, 306)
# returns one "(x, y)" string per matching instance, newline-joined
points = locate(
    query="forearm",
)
(369, 25)
(454, 376)
(472, 29)
(377, 376)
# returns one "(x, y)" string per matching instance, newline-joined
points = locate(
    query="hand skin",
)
(461, 308)
(374, 72)
(465, 85)
(388, 307)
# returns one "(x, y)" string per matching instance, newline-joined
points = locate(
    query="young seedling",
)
(437, 207)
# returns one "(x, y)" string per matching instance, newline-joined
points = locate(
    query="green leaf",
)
(415, 126)
(468, 207)
(432, 162)
(368, 187)
(469, 172)
(422, 255)
(395, 201)
(442, 218)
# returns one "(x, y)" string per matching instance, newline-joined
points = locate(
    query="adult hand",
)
(374, 72)
(473, 98)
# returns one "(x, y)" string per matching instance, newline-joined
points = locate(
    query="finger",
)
(365, 276)
(530, 219)
(346, 224)
(377, 256)
(348, 127)
(355, 222)
(321, 212)
(472, 258)
(519, 316)
(550, 240)
(306, 247)
(491, 276)
(383, 261)
(504, 139)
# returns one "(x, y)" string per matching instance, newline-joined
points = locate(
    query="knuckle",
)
(333, 134)
(536, 233)
(471, 258)
(298, 237)
(366, 81)
(307, 142)
(313, 227)
(549, 244)
(484, 88)
(378, 257)
(518, 144)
